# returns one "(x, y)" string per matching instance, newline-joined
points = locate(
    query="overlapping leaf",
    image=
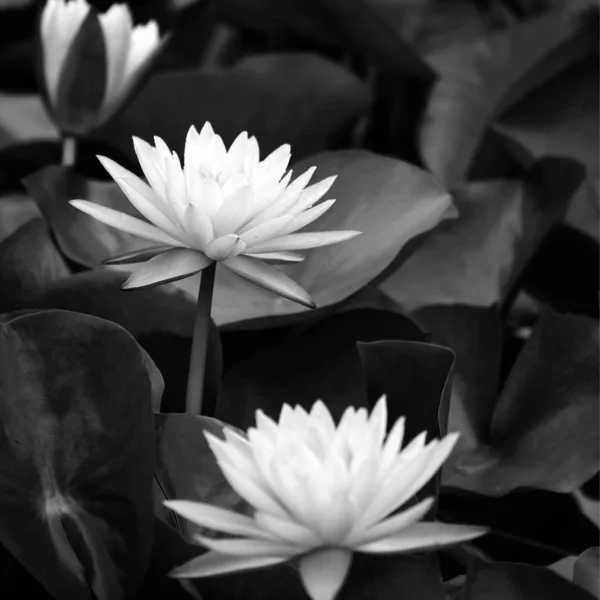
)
(561, 117)
(475, 336)
(29, 261)
(544, 430)
(16, 210)
(81, 238)
(475, 259)
(512, 581)
(299, 99)
(478, 80)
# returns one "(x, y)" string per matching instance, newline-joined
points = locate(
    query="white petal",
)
(297, 492)
(335, 521)
(250, 490)
(301, 241)
(291, 418)
(262, 453)
(251, 157)
(198, 226)
(308, 216)
(435, 459)
(140, 195)
(217, 155)
(136, 256)
(144, 40)
(287, 529)
(206, 193)
(285, 201)
(320, 412)
(175, 185)
(397, 488)
(240, 442)
(392, 525)
(423, 536)
(116, 26)
(233, 211)
(197, 162)
(295, 188)
(47, 18)
(249, 547)
(60, 23)
(312, 194)
(235, 155)
(152, 166)
(162, 156)
(265, 231)
(378, 421)
(125, 223)
(218, 519)
(278, 256)
(235, 456)
(172, 265)
(214, 563)
(270, 278)
(224, 247)
(273, 166)
(191, 143)
(392, 444)
(323, 572)
(232, 184)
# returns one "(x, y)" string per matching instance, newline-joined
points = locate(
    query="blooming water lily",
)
(320, 493)
(224, 206)
(127, 53)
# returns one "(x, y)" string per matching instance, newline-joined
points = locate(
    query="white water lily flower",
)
(320, 493)
(128, 51)
(223, 205)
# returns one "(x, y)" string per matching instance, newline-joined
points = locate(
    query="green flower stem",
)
(69, 151)
(196, 377)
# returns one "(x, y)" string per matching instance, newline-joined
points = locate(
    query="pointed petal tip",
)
(311, 303)
(129, 286)
(323, 572)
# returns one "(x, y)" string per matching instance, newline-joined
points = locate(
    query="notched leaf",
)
(76, 453)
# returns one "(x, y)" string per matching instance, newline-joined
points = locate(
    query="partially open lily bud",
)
(91, 61)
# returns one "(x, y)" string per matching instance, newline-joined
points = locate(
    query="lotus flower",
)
(320, 493)
(224, 205)
(67, 45)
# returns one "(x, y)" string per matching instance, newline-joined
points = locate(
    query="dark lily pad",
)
(299, 99)
(480, 79)
(29, 260)
(393, 577)
(76, 453)
(161, 319)
(512, 581)
(475, 335)
(81, 238)
(320, 362)
(476, 259)
(544, 430)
